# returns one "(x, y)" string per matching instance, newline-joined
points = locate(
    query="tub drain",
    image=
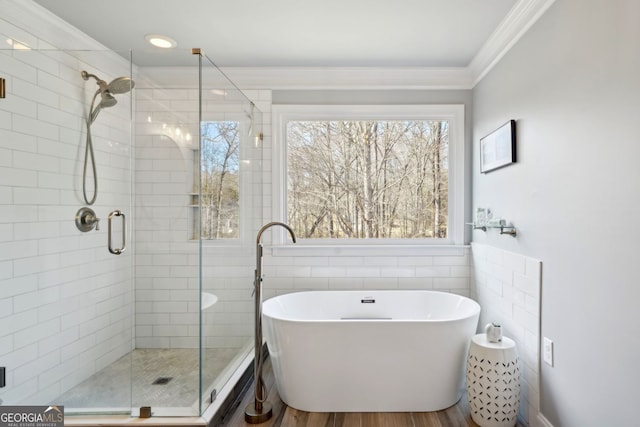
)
(162, 380)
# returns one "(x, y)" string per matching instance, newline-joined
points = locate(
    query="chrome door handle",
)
(118, 251)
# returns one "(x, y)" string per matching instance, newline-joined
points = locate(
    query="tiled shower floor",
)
(110, 388)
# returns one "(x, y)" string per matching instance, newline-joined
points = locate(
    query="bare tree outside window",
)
(219, 179)
(368, 179)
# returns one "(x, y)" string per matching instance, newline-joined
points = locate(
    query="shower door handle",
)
(118, 251)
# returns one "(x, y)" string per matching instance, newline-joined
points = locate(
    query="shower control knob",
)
(86, 220)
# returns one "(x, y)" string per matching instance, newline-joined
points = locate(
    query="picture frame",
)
(498, 149)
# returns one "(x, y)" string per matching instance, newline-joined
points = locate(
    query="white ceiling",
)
(296, 33)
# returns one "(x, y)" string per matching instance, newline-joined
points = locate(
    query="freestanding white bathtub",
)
(369, 351)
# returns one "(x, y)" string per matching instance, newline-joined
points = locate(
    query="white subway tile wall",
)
(167, 249)
(507, 286)
(291, 273)
(65, 302)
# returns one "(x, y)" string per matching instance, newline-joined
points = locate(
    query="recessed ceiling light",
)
(160, 41)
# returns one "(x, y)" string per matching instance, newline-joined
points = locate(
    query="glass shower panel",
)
(192, 245)
(166, 362)
(230, 199)
(67, 314)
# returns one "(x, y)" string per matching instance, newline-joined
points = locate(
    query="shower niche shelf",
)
(194, 200)
(194, 215)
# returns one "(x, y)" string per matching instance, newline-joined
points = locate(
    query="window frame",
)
(453, 113)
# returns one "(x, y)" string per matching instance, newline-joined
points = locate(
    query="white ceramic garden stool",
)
(493, 382)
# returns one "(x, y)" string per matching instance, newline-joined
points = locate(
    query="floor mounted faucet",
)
(260, 410)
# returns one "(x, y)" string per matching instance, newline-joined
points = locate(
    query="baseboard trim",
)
(543, 422)
(234, 398)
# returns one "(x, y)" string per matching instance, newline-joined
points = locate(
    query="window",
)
(371, 174)
(220, 180)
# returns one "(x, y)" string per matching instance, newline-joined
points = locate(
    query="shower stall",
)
(158, 326)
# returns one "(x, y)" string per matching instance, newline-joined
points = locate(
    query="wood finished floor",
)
(284, 416)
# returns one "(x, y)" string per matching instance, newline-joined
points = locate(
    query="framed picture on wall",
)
(498, 149)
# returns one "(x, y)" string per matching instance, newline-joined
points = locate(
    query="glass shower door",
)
(67, 302)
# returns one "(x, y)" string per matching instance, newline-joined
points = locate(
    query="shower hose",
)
(88, 152)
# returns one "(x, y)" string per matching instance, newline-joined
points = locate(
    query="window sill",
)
(366, 250)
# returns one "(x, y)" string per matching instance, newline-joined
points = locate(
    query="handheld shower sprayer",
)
(106, 91)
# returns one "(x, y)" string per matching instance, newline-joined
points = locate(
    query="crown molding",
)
(354, 78)
(319, 78)
(55, 32)
(514, 25)
(517, 22)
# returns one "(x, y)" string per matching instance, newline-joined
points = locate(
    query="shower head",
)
(120, 85)
(106, 91)
(117, 86)
(107, 99)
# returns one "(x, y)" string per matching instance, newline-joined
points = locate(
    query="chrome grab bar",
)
(118, 251)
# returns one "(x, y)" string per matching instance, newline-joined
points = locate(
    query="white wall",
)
(572, 85)
(65, 302)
